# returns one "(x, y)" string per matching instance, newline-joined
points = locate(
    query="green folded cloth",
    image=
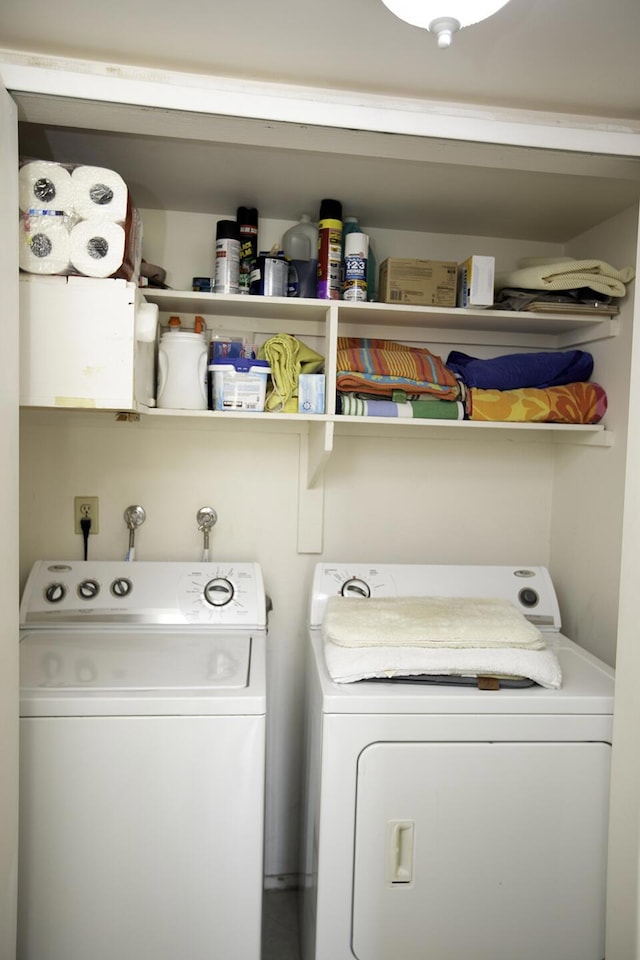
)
(288, 357)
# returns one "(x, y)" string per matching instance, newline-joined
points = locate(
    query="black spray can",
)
(247, 218)
(227, 265)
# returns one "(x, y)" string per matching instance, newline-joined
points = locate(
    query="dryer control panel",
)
(530, 589)
(144, 592)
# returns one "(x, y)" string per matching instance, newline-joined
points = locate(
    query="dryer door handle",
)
(400, 835)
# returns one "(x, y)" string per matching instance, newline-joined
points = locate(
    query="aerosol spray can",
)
(247, 218)
(227, 265)
(329, 285)
(356, 247)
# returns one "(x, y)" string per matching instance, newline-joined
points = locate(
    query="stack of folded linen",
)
(539, 387)
(382, 378)
(566, 273)
(434, 637)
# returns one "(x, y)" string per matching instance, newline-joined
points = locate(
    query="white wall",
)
(9, 527)
(183, 243)
(623, 888)
(403, 499)
(589, 484)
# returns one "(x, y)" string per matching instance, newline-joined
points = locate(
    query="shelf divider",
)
(315, 446)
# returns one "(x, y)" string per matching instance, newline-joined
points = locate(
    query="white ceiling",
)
(570, 56)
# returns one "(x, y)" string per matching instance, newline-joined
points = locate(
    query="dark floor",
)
(280, 925)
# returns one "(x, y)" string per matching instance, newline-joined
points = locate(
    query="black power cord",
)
(85, 526)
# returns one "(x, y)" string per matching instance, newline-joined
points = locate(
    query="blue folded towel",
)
(516, 370)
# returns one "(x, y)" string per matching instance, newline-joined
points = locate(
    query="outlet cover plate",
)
(86, 507)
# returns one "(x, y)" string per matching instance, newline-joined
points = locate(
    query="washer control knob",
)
(219, 592)
(55, 592)
(88, 589)
(528, 597)
(354, 587)
(121, 587)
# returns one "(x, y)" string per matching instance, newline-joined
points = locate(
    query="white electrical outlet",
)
(86, 508)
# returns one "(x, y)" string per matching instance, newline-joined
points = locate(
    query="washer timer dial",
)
(219, 592)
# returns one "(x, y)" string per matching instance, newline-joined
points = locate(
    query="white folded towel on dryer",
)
(442, 622)
(350, 664)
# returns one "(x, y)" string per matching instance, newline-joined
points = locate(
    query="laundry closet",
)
(290, 490)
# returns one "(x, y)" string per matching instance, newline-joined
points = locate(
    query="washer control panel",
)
(102, 592)
(529, 589)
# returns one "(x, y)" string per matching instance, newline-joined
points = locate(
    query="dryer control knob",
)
(88, 589)
(55, 592)
(219, 592)
(354, 587)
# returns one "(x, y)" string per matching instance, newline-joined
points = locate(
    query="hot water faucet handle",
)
(206, 517)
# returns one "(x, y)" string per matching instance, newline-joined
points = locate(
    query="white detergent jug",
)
(182, 371)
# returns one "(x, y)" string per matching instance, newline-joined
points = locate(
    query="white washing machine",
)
(142, 742)
(450, 822)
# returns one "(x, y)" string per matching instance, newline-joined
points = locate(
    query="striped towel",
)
(429, 409)
(378, 366)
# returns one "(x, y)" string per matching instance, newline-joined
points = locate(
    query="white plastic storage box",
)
(79, 346)
(239, 383)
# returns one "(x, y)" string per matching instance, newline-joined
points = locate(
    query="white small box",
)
(311, 393)
(475, 282)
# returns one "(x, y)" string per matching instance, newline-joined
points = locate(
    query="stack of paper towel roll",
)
(72, 219)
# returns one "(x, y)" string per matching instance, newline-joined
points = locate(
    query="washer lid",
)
(108, 662)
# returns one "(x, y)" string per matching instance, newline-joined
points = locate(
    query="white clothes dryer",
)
(142, 743)
(449, 822)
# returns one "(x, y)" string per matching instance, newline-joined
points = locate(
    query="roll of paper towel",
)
(44, 185)
(97, 247)
(99, 194)
(44, 245)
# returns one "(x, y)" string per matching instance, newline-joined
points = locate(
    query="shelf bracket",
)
(315, 446)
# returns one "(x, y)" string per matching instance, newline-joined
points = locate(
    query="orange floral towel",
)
(573, 403)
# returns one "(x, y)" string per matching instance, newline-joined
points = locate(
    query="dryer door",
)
(485, 850)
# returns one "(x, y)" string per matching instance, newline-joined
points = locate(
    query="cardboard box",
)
(475, 282)
(311, 393)
(430, 283)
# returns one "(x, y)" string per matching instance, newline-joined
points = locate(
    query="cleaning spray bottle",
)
(329, 285)
(351, 225)
(354, 286)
